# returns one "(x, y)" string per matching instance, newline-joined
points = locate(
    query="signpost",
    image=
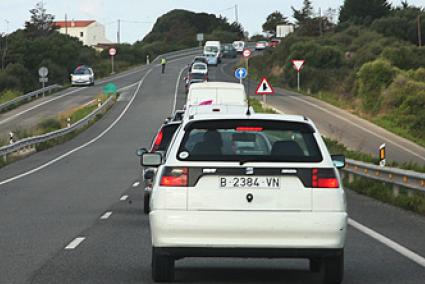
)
(200, 38)
(43, 72)
(112, 53)
(298, 65)
(264, 88)
(382, 160)
(241, 74)
(247, 54)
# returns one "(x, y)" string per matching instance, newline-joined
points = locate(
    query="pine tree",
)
(274, 19)
(363, 11)
(41, 23)
(304, 14)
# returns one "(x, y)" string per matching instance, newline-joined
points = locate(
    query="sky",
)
(138, 16)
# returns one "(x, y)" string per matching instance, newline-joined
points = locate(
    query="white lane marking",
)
(106, 215)
(136, 184)
(124, 197)
(61, 157)
(360, 127)
(85, 144)
(39, 105)
(177, 90)
(75, 243)
(388, 242)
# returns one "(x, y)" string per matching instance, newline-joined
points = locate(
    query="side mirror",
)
(141, 151)
(338, 161)
(151, 159)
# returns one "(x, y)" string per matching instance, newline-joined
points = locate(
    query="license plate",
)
(250, 182)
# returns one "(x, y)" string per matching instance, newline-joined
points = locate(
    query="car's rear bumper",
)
(248, 229)
(181, 252)
(85, 83)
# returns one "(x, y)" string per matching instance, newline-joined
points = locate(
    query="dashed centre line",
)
(75, 243)
(124, 197)
(106, 215)
(136, 184)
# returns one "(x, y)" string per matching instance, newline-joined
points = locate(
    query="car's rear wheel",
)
(333, 269)
(162, 267)
(146, 197)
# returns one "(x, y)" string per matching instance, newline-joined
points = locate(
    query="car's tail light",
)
(175, 177)
(249, 128)
(158, 140)
(323, 178)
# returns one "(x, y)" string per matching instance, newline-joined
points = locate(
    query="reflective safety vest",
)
(163, 61)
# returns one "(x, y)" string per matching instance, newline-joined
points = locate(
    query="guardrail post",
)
(350, 177)
(68, 122)
(11, 137)
(99, 102)
(5, 158)
(396, 190)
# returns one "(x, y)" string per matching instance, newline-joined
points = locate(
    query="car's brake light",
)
(249, 128)
(323, 178)
(174, 177)
(158, 140)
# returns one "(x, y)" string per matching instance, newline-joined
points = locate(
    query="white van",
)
(239, 46)
(216, 93)
(213, 48)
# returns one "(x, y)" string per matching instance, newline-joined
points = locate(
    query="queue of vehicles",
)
(224, 181)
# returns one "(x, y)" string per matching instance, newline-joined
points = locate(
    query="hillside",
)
(373, 68)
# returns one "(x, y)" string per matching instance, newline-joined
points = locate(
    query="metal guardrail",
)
(177, 52)
(27, 96)
(31, 141)
(397, 177)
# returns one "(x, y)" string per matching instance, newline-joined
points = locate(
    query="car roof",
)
(200, 63)
(260, 116)
(219, 85)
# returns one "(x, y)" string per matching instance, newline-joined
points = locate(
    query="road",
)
(27, 116)
(72, 213)
(354, 132)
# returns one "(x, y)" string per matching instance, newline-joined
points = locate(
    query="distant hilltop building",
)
(89, 32)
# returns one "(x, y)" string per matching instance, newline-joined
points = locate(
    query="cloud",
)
(93, 8)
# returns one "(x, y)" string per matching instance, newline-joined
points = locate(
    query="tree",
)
(304, 14)
(274, 19)
(41, 23)
(363, 11)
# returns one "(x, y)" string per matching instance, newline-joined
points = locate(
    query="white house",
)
(90, 32)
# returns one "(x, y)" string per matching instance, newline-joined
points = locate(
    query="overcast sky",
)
(138, 16)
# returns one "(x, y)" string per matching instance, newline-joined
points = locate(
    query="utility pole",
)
(419, 31)
(320, 22)
(3, 59)
(236, 13)
(119, 32)
(66, 24)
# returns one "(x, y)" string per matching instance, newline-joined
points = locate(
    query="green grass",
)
(259, 108)
(82, 113)
(9, 95)
(388, 123)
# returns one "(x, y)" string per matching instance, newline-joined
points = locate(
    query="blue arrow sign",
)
(241, 73)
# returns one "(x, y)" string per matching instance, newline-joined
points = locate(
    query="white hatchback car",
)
(199, 67)
(82, 76)
(259, 185)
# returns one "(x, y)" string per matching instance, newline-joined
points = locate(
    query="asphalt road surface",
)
(72, 214)
(29, 115)
(333, 122)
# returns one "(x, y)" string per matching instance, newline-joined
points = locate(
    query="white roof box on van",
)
(216, 93)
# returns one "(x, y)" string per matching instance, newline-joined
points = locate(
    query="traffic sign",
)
(298, 64)
(110, 89)
(264, 88)
(43, 72)
(241, 73)
(200, 37)
(43, 79)
(246, 53)
(112, 51)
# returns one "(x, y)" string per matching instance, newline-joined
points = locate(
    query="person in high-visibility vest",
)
(163, 63)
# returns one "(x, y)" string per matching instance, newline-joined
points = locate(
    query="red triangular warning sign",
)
(264, 88)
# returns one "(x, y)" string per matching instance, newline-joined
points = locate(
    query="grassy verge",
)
(383, 192)
(52, 124)
(9, 95)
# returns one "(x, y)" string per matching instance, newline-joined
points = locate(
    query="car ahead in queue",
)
(212, 59)
(82, 76)
(261, 45)
(229, 51)
(193, 78)
(216, 93)
(239, 46)
(255, 186)
(199, 67)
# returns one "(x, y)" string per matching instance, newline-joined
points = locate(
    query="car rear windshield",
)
(82, 71)
(249, 140)
(197, 76)
(166, 134)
